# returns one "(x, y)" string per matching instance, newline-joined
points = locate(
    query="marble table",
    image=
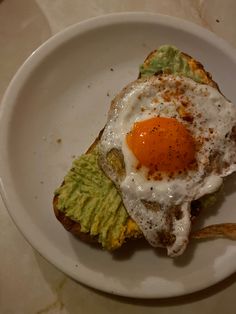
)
(28, 283)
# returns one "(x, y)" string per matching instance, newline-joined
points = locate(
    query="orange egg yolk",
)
(162, 144)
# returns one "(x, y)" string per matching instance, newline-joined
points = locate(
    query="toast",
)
(189, 67)
(129, 230)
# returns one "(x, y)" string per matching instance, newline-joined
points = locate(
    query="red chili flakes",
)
(211, 130)
(156, 100)
(166, 96)
(185, 103)
(188, 118)
(177, 84)
(158, 177)
(199, 142)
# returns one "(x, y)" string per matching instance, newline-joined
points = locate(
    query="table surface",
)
(28, 283)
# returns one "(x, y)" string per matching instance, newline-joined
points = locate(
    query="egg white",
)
(213, 120)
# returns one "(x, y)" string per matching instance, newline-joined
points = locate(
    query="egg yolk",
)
(162, 144)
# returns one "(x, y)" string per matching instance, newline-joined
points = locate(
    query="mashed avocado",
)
(168, 59)
(90, 198)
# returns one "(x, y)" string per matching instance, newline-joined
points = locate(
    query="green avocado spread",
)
(89, 197)
(170, 60)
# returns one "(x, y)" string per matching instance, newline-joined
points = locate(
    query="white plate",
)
(63, 91)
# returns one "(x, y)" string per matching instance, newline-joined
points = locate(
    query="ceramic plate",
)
(52, 111)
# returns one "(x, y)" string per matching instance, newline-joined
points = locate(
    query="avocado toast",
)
(88, 203)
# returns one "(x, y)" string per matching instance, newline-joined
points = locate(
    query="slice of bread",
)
(196, 70)
(130, 229)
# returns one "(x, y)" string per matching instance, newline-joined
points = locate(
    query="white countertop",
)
(28, 283)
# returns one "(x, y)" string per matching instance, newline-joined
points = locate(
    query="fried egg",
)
(176, 140)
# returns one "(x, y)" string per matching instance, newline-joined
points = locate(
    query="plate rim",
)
(7, 105)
